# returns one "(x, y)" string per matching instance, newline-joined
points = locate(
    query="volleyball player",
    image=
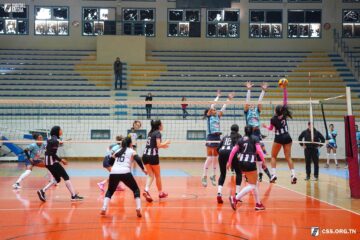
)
(252, 117)
(282, 137)
(224, 150)
(331, 145)
(151, 159)
(52, 163)
(249, 148)
(134, 136)
(213, 124)
(34, 153)
(121, 172)
(106, 162)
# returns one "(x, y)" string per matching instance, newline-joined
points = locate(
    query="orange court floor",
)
(190, 212)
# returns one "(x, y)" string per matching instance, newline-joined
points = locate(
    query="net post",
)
(311, 111)
(348, 101)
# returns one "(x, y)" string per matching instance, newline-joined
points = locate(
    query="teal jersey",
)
(36, 152)
(332, 137)
(253, 117)
(358, 137)
(112, 149)
(213, 124)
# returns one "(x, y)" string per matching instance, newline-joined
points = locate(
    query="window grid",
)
(265, 28)
(138, 26)
(98, 21)
(47, 24)
(351, 23)
(184, 22)
(10, 23)
(220, 27)
(304, 28)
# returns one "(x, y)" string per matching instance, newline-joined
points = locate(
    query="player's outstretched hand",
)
(231, 95)
(249, 85)
(264, 86)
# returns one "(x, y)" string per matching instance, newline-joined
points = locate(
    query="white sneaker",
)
(16, 186)
(103, 211)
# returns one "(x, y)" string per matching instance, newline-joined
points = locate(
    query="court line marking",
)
(323, 201)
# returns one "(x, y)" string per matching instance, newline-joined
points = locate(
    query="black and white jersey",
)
(151, 148)
(226, 145)
(51, 151)
(280, 125)
(247, 148)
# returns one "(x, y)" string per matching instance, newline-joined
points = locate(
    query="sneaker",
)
(204, 181)
(219, 199)
(307, 179)
(16, 186)
(213, 180)
(76, 197)
(101, 186)
(337, 166)
(273, 179)
(103, 211)
(163, 195)
(315, 179)
(138, 213)
(120, 188)
(259, 207)
(147, 196)
(233, 202)
(41, 195)
(260, 177)
(326, 165)
(293, 179)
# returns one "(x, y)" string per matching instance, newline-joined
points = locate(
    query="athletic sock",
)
(214, 163)
(292, 172)
(220, 190)
(70, 187)
(149, 181)
(23, 175)
(273, 171)
(106, 202)
(256, 194)
(237, 189)
(244, 191)
(206, 165)
(138, 203)
(52, 182)
(266, 170)
(327, 158)
(258, 166)
(336, 162)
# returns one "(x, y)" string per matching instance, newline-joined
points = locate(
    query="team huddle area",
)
(180, 119)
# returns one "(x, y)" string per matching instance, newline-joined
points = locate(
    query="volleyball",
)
(283, 82)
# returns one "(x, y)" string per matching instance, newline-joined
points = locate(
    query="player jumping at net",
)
(121, 163)
(249, 148)
(282, 136)
(106, 162)
(213, 127)
(151, 159)
(252, 117)
(34, 158)
(331, 146)
(224, 150)
(52, 163)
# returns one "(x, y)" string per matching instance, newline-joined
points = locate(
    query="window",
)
(14, 19)
(223, 23)
(184, 23)
(351, 23)
(265, 24)
(99, 21)
(52, 21)
(139, 22)
(304, 23)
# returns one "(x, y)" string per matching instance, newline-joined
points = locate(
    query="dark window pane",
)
(303, 30)
(356, 30)
(60, 13)
(149, 29)
(296, 17)
(192, 16)
(2, 28)
(351, 16)
(127, 28)
(223, 29)
(138, 29)
(211, 30)
(3, 13)
(109, 28)
(265, 30)
(292, 31)
(147, 15)
(231, 16)
(22, 14)
(195, 29)
(347, 30)
(255, 30)
(173, 29)
(88, 28)
(214, 16)
(176, 15)
(257, 16)
(233, 30)
(313, 16)
(274, 17)
(130, 14)
(90, 14)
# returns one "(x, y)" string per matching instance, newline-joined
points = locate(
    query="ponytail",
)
(234, 135)
(155, 125)
(124, 145)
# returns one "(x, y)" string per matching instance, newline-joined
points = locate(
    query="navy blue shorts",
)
(283, 139)
(331, 145)
(106, 162)
(247, 166)
(213, 137)
(35, 162)
(152, 160)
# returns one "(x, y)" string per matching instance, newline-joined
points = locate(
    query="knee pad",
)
(137, 193)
